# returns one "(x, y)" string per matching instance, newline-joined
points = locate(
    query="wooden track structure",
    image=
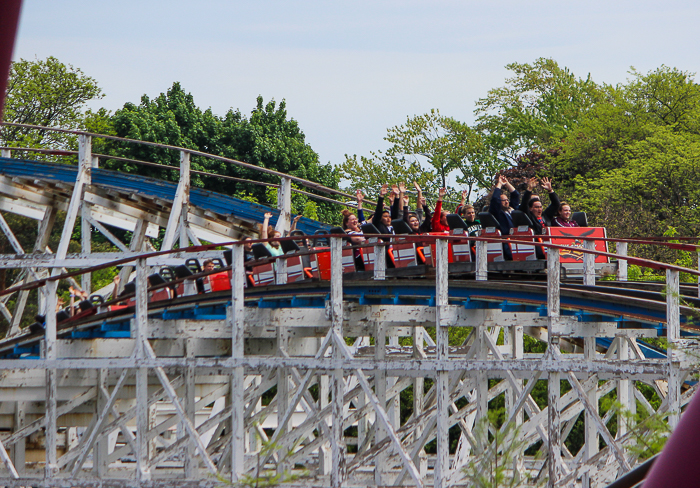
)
(193, 392)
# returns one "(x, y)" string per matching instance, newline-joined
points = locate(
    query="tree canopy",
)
(267, 138)
(46, 93)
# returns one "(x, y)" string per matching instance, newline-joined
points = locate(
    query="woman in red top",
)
(439, 222)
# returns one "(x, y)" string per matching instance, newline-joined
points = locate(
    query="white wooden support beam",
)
(283, 391)
(284, 205)
(602, 429)
(336, 307)
(554, 428)
(190, 461)
(89, 441)
(18, 449)
(379, 261)
(421, 458)
(554, 461)
(621, 249)
(185, 208)
(181, 196)
(101, 449)
(189, 427)
(441, 470)
(673, 332)
(236, 318)
(51, 381)
(380, 413)
(105, 232)
(10, 236)
(380, 388)
(481, 261)
(623, 389)
(136, 244)
(590, 446)
(589, 264)
(5, 153)
(85, 244)
(140, 331)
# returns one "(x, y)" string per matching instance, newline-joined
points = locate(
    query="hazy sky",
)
(349, 70)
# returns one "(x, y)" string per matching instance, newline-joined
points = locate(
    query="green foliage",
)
(263, 478)
(493, 467)
(539, 105)
(429, 149)
(266, 139)
(47, 93)
(649, 433)
(370, 173)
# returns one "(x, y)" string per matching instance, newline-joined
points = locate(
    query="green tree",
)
(370, 173)
(268, 138)
(46, 93)
(536, 108)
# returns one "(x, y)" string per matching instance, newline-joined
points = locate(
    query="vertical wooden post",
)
(141, 335)
(101, 450)
(189, 404)
(380, 387)
(236, 319)
(184, 211)
(5, 153)
(589, 264)
(623, 388)
(481, 260)
(18, 449)
(379, 261)
(621, 248)
(336, 306)
(284, 205)
(590, 432)
(421, 459)
(553, 384)
(441, 472)
(179, 209)
(673, 333)
(85, 160)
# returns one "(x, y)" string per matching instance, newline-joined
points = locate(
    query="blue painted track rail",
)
(150, 188)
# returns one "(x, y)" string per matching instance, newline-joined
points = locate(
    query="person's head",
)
(413, 222)
(350, 221)
(505, 201)
(208, 265)
(247, 244)
(443, 217)
(469, 213)
(386, 218)
(535, 206)
(274, 234)
(564, 211)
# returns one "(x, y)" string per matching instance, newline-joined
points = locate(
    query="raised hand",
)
(405, 201)
(417, 187)
(384, 190)
(531, 183)
(441, 193)
(502, 180)
(296, 219)
(395, 190)
(402, 187)
(268, 215)
(360, 196)
(546, 184)
(421, 201)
